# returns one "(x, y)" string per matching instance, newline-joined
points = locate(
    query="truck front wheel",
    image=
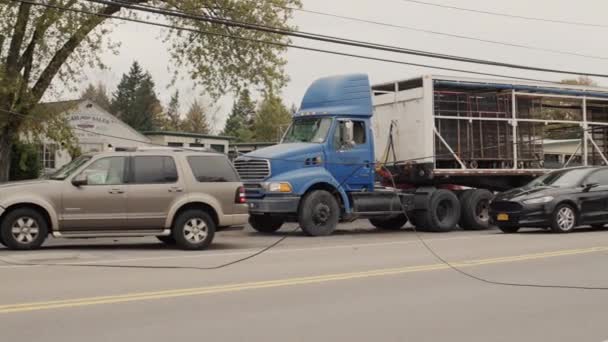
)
(319, 213)
(391, 223)
(266, 223)
(442, 213)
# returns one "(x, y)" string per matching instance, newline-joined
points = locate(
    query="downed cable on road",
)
(479, 278)
(380, 165)
(250, 256)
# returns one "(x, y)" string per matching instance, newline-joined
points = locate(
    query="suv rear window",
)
(212, 169)
(154, 170)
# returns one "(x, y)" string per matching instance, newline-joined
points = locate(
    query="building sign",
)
(88, 122)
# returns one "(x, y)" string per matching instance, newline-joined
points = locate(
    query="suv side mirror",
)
(347, 134)
(589, 186)
(80, 180)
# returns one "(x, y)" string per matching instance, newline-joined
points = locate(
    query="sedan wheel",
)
(564, 219)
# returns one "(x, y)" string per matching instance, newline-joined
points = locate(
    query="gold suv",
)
(182, 197)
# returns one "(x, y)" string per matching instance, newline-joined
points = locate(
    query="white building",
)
(192, 140)
(96, 129)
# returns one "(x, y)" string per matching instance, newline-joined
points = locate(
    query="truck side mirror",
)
(347, 134)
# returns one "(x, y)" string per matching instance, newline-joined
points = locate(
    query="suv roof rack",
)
(162, 148)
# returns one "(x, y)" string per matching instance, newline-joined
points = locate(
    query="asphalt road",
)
(358, 285)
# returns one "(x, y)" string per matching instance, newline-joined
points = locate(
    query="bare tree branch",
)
(18, 35)
(42, 25)
(47, 75)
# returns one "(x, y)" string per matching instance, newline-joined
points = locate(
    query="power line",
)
(331, 39)
(287, 45)
(555, 21)
(451, 35)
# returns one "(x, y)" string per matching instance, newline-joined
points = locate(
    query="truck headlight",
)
(539, 200)
(278, 187)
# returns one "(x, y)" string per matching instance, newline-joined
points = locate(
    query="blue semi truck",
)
(430, 149)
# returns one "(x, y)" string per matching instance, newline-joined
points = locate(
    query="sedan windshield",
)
(561, 178)
(313, 130)
(69, 168)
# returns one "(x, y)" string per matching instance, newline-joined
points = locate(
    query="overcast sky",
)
(142, 43)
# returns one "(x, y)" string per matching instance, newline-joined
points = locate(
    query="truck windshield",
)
(313, 130)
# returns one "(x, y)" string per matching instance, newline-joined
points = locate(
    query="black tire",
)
(475, 210)
(509, 230)
(193, 230)
(319, 213)
(265, 223)
(168, 240)
(442, 213)
(34, 229)
(390, 223)
(568, 214)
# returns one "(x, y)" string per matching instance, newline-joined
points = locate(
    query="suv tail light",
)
(240, 195)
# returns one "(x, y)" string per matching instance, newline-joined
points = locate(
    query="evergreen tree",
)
(135, 100)
(271, 119)
(173, 114)
(240, 119)
(98, 94)
(196, 119)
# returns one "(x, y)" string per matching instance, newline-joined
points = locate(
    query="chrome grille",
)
(252, 169)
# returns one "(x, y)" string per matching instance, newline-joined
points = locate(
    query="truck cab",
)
(323, 171)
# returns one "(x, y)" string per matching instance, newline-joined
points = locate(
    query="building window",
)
(218, 148)
(47, 156)
(197, 145)
(175, 144)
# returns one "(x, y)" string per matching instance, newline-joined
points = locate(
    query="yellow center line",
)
(141, 296)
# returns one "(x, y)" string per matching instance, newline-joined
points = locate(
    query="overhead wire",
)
(331, 39)
(287, 45)
(440, 33)
(478, 11)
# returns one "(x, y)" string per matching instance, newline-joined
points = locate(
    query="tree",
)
(271, 119)
(97, 94)
(42, 47)
(581, 80)
(239, 121)
(196, 119)
(135, 100)
(173, 114)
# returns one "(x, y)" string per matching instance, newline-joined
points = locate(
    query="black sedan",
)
(560, 200)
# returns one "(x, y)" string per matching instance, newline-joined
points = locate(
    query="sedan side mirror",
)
(80, 180)
(589, 186)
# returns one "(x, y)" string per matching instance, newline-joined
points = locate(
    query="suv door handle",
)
(116, 191)
(175, 189)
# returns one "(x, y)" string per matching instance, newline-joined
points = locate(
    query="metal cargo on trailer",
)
(490, 134)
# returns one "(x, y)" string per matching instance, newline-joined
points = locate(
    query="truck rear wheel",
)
(475, 213)
(390, 223)
(442, 213)
(266, 223)
(319, 213)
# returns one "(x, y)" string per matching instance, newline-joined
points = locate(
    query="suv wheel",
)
(23, 229)
(266, 224)
(193, 230)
